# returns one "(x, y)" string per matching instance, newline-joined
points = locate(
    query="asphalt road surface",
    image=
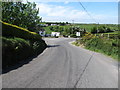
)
(63, 65)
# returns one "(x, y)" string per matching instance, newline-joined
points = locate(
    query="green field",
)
(48, 31)
(87, 27)
(116, 32)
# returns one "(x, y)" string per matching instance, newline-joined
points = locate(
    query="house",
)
(53, 24)
(57, 34)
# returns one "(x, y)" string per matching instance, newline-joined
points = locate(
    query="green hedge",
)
(100, 44)
(19, 44)
(109, 47)
(9, 30)
(73, 35)
(17, 49)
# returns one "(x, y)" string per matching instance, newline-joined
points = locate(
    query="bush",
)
(14, 50)
(94, 30)
(17, 49)
(109, 47)
(19, 44)
(104, 46)
(101, 29)
(108, 30)
(73, 35)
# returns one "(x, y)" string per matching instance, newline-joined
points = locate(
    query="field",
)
(116, 32)
(87, 27)
(48, 30)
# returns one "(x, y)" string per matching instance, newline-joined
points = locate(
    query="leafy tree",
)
(67, 23)
(51, 28)
(108, 30)
(62, 24)
(101, 29)
(23, 15)
(61, 29)
(94, 30)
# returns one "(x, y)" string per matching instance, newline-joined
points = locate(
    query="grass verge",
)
(102, 45)
(17, 49)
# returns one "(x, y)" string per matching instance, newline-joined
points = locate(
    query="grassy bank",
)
(99, 44)
(19, 44)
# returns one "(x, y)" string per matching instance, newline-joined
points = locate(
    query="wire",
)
(87, 12)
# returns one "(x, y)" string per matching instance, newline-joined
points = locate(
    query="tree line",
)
(101, 29)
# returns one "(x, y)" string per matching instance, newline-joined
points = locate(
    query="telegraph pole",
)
(97, 27)
(72, 25)
(73, 21)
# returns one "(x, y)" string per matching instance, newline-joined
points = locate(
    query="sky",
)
(98, 12)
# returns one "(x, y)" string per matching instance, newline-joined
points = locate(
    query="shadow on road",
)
(49, 46)
(19, 64)
(23, 62)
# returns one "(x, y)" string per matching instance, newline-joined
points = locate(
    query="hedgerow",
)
(100, 44)
(17, 49)
(18, 44)
(9, 30)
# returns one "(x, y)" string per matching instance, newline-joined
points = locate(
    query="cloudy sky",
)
(101, 12)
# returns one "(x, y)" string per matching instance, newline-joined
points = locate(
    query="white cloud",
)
(67, 13)
(66, 2)
(60, 11)
(52, 10)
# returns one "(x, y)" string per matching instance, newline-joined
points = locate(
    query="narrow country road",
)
(63, 65)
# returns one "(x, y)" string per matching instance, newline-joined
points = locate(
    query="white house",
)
(53, 24)
(55, 34)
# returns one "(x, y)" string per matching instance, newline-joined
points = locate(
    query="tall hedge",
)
(18, 49)
(19, 44)
(101, 44)
(9, 30)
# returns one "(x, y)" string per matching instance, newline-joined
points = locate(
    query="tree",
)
(67, 23)
(51, 28)
(108, 30)
(23, 15)
(94, 30)
(101, 29)
(62, 24)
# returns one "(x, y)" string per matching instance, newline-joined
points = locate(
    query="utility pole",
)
(73, 21)
(72, 25)
(97, 27)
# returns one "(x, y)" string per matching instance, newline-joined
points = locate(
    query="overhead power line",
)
(87, 12)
